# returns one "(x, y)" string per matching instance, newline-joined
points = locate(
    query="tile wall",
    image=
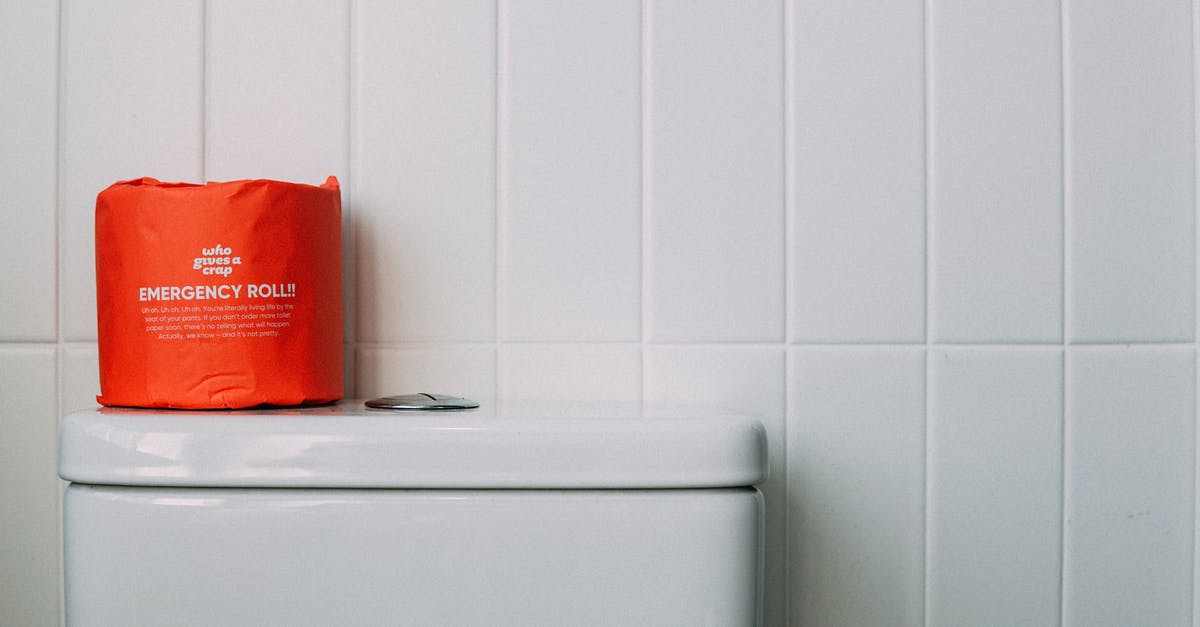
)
(945, 249)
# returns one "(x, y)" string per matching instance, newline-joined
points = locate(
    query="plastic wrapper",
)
(223, 295)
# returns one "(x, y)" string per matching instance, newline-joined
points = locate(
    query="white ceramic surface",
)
(856, 461)
(27, 171)
(1129, 473)
(569, 105)
(160, 552)
(423, 157)
(182, 557)
(994, 477)
(251, 69)
(856, 162)
(713, 175)
(995, 172)
(1130, 171)
(499, 445)
(29, 516)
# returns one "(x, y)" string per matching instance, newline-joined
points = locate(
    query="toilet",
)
(512, 513)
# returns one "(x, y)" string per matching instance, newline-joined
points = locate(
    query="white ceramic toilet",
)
(509, 514)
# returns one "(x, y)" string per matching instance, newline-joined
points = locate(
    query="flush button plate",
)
(421, 401)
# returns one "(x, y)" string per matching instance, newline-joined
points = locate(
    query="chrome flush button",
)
(423, 400)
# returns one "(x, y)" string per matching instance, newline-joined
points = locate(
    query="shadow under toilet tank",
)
(510, 514)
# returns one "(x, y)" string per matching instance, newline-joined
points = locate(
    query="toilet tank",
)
(510, 514)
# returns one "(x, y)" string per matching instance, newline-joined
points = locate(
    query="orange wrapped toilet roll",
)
(223, 295)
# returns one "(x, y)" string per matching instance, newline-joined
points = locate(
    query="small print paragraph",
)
(218, 321)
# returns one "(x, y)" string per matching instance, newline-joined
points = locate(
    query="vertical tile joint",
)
(926, 34)
(350, 250)
(1195, 23)
(205, 86)
(59, 177)
(59, 386)
(499, 136)
(646, 180)
(789, 261)
(1067, 304)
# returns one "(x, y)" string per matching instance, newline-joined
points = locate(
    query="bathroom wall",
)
(946, 251)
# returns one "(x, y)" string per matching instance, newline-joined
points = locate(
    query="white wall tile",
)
(570, 160)
(277, 88)
(423, 157)
(995, 172)
(1130, 476)
(588, 372)
(714, 133)
(468, 371)
(28, 163)
(80, 377)
(1130, 171)
(856, 491)
(751, 380)
(857, 164)
(29, 568)
(132, 106)
(994, 487)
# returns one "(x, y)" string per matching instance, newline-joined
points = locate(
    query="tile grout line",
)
(350, 246)
(646, 75)
(1195, 7)
(815, 346)
(938, 346)
(205, 87)
(59, 192)
(789, 299)
(499, 200)
(1067, 303)
(60, 387)
(927, 55)
(789, 161)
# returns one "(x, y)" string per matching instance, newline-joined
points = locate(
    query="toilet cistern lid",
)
(505, 445)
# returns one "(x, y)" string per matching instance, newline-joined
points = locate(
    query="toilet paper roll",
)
(222, 295)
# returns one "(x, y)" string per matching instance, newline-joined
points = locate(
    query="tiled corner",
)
(424, 156)
(1129, 487)
(994, 510)
(276, 90)
(29, 564)
(857, 168)
(856, 486)
(714, 171)
(565, 372)
(570, 146)
(1130, 175)
(468, 371)
(132, 106)
(995, 172)
(28, 165)
(749, 379)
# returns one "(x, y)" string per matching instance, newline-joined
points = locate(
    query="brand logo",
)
(218, 260)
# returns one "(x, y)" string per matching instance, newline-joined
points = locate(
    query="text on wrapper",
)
(216, 292)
